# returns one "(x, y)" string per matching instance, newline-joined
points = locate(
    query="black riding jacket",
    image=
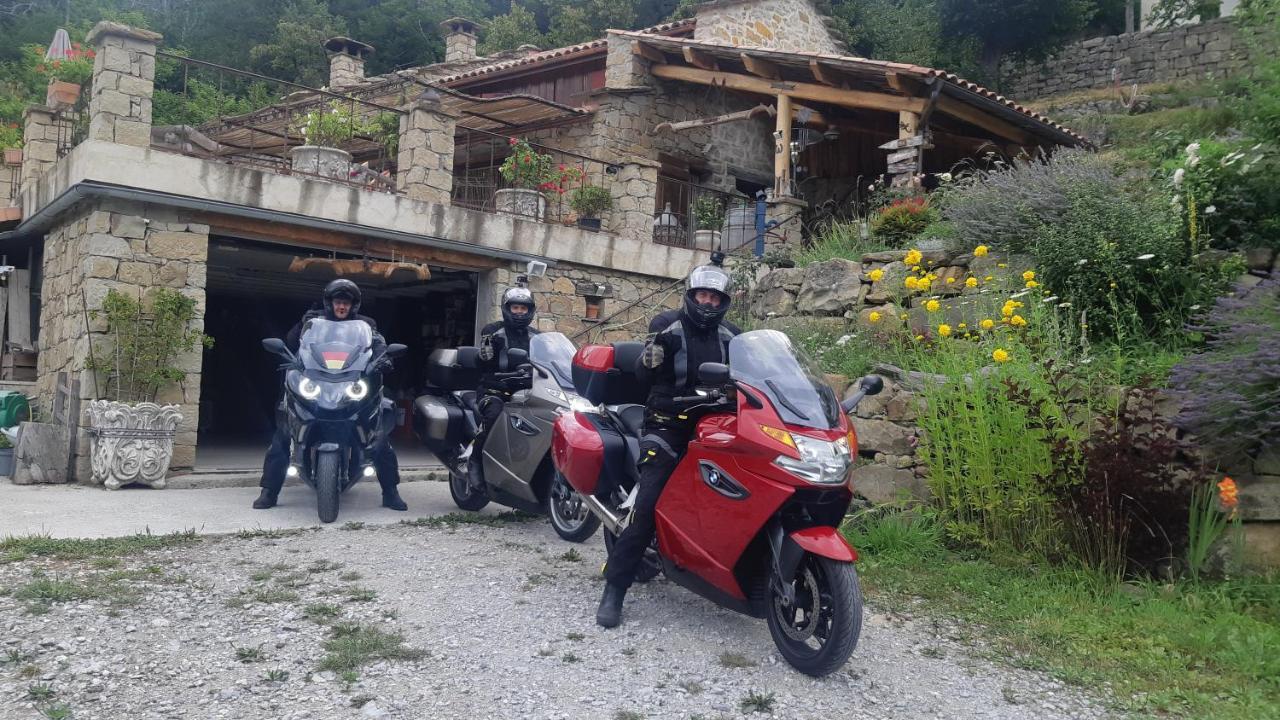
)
(686, 347)
(503, 339)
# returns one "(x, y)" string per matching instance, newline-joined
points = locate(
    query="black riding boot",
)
(391, 499)
(609, 614)
(266, 499)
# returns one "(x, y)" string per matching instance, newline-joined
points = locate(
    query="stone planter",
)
(61, 95)
(325, 162)
(706, 239)
(131, 443)
(13, 156)
(524, 203)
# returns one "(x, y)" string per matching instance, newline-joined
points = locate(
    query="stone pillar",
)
(346, 61)
(459, 39)
(787, 234)
(424, 166)
(635, 192)
(40, 143)
(624, 70)
(123, 74)
(132, 249)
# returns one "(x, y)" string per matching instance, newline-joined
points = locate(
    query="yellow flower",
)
(1032, 284)
(1000, 355)
(923, 285)
(912, 282)
(917, 268)
(988, 323)
(913, 257)
(874, 317)
(963, 325)
(981, 251)
(987, 279)
(971, 282)
(944, 330)
(1007, 310)
(933, 306)
(950, 280)
(876, 275)
(1018, 321)
(919, 337)
(1113, 286)
(1029, 275)
(1002, 265)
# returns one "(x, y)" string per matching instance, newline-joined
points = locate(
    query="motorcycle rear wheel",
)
(648, 568)
(464, 496)
(328, 486)
(819, 632)
(570, 517)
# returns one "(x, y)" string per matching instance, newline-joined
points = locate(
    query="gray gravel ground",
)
(504, 614)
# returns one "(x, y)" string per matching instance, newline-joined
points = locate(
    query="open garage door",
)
(258, 290)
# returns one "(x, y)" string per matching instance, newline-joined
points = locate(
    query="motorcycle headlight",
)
(357, 390)
(577, 403)
(558, 395)
(821, 462)
(308, 388)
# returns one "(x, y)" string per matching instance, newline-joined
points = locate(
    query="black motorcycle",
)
(334, 407)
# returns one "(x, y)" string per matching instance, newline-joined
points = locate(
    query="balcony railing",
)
(702, 218)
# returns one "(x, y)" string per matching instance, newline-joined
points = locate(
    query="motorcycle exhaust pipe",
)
(612, 522)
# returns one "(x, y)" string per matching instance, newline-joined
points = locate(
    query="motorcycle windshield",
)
(553, 352)
(769, 362)
(335, 349)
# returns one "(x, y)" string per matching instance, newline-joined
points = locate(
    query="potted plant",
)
(708, 213)
(589, 201)
(323, 130)
(527, 172)
(6, 456)
(132, 434)
(11, 142)
(63, 77)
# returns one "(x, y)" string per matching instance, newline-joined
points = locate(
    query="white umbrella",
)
(60, 48)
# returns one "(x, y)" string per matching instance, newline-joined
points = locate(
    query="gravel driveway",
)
(497, 622)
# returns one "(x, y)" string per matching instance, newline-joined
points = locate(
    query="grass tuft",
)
(756, 702)
(13, 549)
(736, 660)
(352, 645)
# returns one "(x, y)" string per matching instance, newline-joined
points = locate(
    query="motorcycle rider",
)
(680, 341)
(496, 340)
(340, 303)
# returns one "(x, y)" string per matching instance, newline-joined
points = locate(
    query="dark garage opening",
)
(251, 295)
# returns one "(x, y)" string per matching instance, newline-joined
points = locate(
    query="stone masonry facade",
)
(426, 151)
(123, 74)
(130, 248)
(789, 25)
(1202, 51)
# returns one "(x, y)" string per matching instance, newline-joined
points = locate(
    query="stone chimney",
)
(346, 61)
(459, 39)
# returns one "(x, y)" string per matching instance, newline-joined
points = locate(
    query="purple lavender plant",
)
(1231, 390)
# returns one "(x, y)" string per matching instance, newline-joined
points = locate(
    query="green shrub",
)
(590, 200)
(10, 135)
(1226, 193)
(903, 219)
(840, 239)
(708, 212)
(331, 127)
(146, 337)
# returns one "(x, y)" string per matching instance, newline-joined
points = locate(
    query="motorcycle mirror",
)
(713, 374)
(276, 346)
(395, 350)
(517, 357)
(871, 384)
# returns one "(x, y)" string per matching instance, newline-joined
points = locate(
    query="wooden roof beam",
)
(700, 59)
(761, 67)
(990, 123)
(801, 91)
(826, 75)
(648, 52)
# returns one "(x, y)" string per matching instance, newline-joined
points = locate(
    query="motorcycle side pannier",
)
(454, 368)
(605, 374)
(438, 423)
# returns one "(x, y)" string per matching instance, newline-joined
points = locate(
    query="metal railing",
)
(225, 114)
(72, 123)
(478, 156)
(702, 218)
(10, 184)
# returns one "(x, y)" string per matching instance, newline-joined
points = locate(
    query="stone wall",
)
(789, 25)
(123, 71)
(1186, 53)
(129, 248)
(345, 70)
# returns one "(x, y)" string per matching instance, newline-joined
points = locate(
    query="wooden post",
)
(782, 149)
(908, 127)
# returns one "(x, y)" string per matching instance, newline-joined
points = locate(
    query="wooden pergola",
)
(928, 103)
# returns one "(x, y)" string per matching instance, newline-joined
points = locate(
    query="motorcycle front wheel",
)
(570, 517)
(464, 496)
(328, 486)
(819, 631)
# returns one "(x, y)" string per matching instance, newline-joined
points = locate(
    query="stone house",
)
(751, 103)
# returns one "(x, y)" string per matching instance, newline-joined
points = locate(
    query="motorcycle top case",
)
(606, 375)
(454, 368)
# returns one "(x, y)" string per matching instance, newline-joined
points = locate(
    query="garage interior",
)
(257, 290)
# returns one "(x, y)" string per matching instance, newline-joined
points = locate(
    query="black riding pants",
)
(490, 409)
(660, 451)
(277, 463)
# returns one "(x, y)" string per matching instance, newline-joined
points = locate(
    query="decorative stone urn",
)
(520, 201)
(322, 161)
(706, 239)
(131, 443)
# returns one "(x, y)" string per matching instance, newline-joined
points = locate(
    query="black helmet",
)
(341, 288)
(517, 296)
(707, 277)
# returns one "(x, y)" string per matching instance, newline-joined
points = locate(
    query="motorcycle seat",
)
(466, 398)
(630, 418)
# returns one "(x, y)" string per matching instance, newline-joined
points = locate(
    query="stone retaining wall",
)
(790, 25)
(1205, 50)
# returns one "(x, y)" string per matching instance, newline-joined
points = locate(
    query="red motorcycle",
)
(749, 518)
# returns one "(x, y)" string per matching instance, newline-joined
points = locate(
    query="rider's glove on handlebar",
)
(653, 356)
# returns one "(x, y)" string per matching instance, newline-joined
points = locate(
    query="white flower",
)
(945, 177)
(1193, 149)
(1051, 298)
(1194, 161)
(1064, 305)
(1148, 256)
(1018, 295)
(1176, 201)
(1082, 262)
(1194, 307)
(1211, 210)
(1178, 175)
(1255, 147)
(844, 340)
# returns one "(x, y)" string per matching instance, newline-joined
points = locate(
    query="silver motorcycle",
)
(516, 461)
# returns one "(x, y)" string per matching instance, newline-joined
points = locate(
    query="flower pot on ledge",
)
(324, 162)
(706, 239)
(61, 95)
(132, 443)
(589, 223)
(13, 156)
(531, 204)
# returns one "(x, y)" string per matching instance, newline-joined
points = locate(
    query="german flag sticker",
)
(334, 360)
